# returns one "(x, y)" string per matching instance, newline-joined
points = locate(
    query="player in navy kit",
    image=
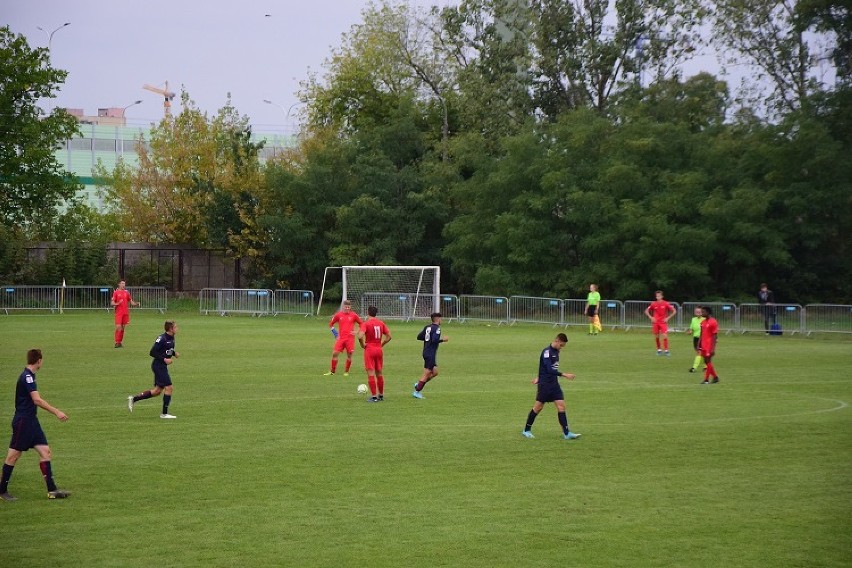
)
(549, 389)
(431, 338)
(27, 432)
(163, 353)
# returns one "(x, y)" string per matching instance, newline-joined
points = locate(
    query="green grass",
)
(271, 464)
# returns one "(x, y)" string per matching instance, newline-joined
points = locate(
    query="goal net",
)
(399, 292)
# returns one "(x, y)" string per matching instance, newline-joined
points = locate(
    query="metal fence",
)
(450, 306)
(828, 318)
(486, 308)
(150, 297)
(725, 313)
(225, 301)
(536, 310)
(760, 317)
(29, 298)
(298, 302)
(85, 298)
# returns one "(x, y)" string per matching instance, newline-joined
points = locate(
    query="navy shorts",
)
(26, 434)
(549, 393)
(161, 375)
(430, 362)
(591, 311)
(695, 343)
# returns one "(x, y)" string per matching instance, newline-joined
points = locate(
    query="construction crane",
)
(167, 96)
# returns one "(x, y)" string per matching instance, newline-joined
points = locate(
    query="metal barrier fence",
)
(298, 302)
(725, 313)
(530, 309)
(759, 317)
(450, 306)
(828, 318)
(611, 313)
(634, 315)
(29, 298)
(85, 298)
(485, 308)
(149, 297)
(224, 301)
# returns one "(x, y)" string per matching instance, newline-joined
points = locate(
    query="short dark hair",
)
(435, 315)
(764, 285)
(658, 292)
(562, 337)
(169, 325)
(33, 356)
(373, 311)
(707, 309)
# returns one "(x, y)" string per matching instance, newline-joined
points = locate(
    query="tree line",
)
(527, 148)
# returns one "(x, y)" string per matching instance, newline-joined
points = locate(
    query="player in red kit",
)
(660, 312)
(373, 336)
(709, 336)
(121, 301)
(345, 337)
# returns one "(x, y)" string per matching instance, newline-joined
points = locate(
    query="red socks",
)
(658, 342)
(666, 343)
(710, 371)
(348, 364)
(381, 382)
(333, 365)
(373, 385)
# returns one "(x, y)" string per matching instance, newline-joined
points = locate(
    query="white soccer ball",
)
(362, 389)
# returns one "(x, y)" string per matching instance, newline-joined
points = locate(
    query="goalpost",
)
(399, 292)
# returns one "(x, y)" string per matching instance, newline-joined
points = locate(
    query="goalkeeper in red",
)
(344, 336)
(709, 336)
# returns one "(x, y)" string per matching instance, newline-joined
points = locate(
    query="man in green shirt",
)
(592, 302)
(695, 329)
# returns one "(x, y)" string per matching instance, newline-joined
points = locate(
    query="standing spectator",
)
(27, 432)
(121, 301)
(344, 338)
(766, 298)
(374, 335)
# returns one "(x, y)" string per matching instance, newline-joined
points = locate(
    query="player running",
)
(431, 338)
(27, 432)
(344, 336)
(660, 312)
(163, 352)
(121, 301)
(709, 337)
(374, 335)
(549, 389)
(695, 330)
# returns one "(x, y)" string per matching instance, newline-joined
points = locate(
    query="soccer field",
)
(271, 464)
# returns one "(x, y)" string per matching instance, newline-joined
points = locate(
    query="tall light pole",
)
(50, 35)
(134, 103)
(287, 112)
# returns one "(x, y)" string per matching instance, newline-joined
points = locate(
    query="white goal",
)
(399, 292)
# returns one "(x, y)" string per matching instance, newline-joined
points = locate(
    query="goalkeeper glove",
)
(334, 332)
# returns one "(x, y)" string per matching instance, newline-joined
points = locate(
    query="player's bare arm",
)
(41, 403)
(569, 376)
(386, 340)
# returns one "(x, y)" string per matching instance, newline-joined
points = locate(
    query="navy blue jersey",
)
(548, 366)
(24, 405)
(164, 348)
(431, 338)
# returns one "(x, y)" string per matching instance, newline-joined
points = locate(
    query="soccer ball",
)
(362, 389)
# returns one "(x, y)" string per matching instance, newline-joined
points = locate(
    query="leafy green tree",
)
(32, 182)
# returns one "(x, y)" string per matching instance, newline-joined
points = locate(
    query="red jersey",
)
(659, 310)
(123, 299)
(345, 322)
(374, 329)
(709, 330)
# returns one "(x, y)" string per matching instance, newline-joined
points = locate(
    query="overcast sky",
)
(212, 48)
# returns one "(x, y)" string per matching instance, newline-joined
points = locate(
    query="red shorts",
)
(122, 319)
(373, 359)
(344, 344)
(706, 351)
(660, 327)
